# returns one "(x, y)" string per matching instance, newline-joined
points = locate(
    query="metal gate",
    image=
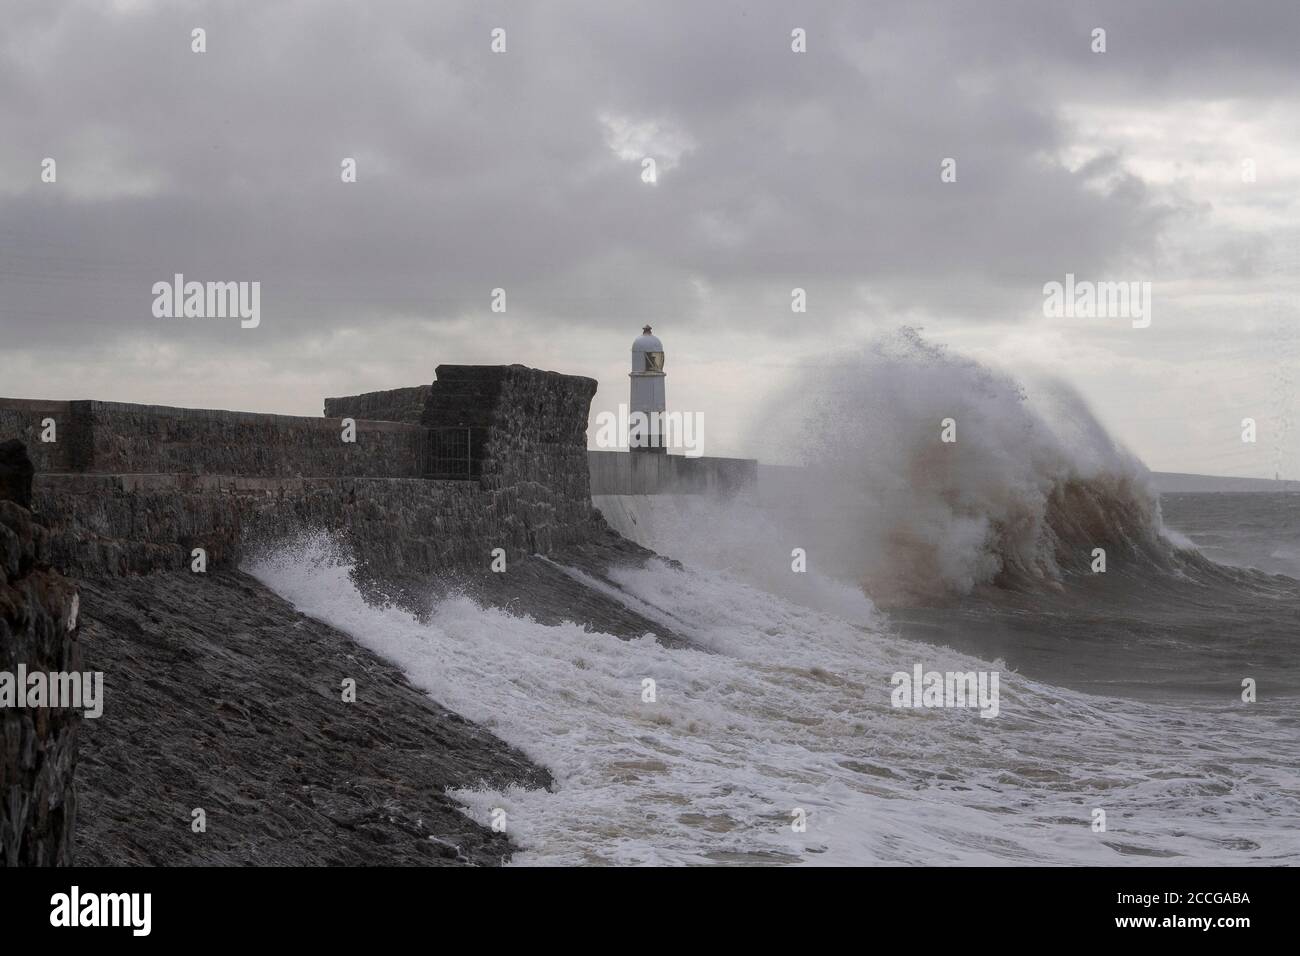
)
(452, 454)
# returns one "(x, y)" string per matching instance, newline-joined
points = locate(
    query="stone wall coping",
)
(205, 414)
(704, 459)
(91, 483)
(251, 418)
(34, 405)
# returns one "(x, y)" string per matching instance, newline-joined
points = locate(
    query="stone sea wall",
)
(38, 745)
(198, 666)
(536, 452)
(634, 473)
(131, 489)
(399, 527)
(392, 405)
(120, 438)
(25, 420)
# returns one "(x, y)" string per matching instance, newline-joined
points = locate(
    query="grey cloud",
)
(480, 171)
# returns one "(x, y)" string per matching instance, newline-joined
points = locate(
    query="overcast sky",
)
(523, 170)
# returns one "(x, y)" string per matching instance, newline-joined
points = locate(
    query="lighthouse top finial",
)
(645, 330)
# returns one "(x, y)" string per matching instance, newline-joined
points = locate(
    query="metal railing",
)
(453, 453)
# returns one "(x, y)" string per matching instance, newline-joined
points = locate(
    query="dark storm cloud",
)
(477, 171)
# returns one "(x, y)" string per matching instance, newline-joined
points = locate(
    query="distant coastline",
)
(773, 479)
(1172, 482)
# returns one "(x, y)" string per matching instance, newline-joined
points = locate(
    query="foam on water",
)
(788, 707)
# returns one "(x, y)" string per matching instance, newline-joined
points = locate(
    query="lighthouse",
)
(647, 395)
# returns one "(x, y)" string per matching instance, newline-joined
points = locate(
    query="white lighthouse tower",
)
(644, 433)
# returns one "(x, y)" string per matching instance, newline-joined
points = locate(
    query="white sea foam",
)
(789, 708)
(1029, 485)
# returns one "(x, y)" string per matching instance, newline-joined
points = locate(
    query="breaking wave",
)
(1023, 490)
